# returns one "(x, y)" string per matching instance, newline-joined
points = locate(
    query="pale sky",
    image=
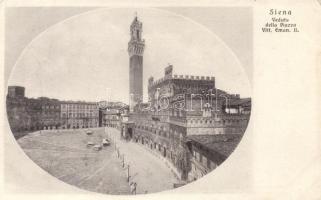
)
(81, 57)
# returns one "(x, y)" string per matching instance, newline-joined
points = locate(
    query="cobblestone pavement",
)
(64, 154)
(149, 172)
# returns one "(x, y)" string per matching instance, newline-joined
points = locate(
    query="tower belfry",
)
(136, 47)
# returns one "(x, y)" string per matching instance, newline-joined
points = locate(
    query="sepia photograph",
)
(160, 100)
(128, 101)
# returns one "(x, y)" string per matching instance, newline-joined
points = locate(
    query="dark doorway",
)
(100, 118)
(130, 132)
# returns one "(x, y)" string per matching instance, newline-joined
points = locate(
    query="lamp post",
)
(67, 113)
(128, 173)
(118, 153)
(123, 160)
(216, 99)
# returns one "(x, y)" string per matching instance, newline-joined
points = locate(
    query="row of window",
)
(80, 115)
(51, 114)
(79, 126)
(50, 107)
(82, 121)
(82, 124)
(111, 117)
(226, 121)
(93, 107)
(160, 132)
(80, 110)
(161, 128)
(79, 106)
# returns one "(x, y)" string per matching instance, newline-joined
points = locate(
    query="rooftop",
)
(224, 144)
(241, 101)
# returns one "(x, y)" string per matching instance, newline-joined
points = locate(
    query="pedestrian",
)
(133, 187)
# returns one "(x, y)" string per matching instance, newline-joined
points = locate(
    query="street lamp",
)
(128, 173)
(118, 152)
(67, 113)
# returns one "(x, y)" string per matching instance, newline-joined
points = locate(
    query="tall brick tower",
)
(136, 47)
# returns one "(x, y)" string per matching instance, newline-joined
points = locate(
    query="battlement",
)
(168, 75)
(152, 83)
(187, 77)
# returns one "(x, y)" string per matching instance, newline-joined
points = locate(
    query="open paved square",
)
(65, 155)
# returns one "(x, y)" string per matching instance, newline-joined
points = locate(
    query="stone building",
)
(180, 108)
(209, 151)
(19, 116)
(16, 92)
(136, 47)
(79, 114)
(30, 114)
(111, 113)
(111, 118)
(50, 113)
